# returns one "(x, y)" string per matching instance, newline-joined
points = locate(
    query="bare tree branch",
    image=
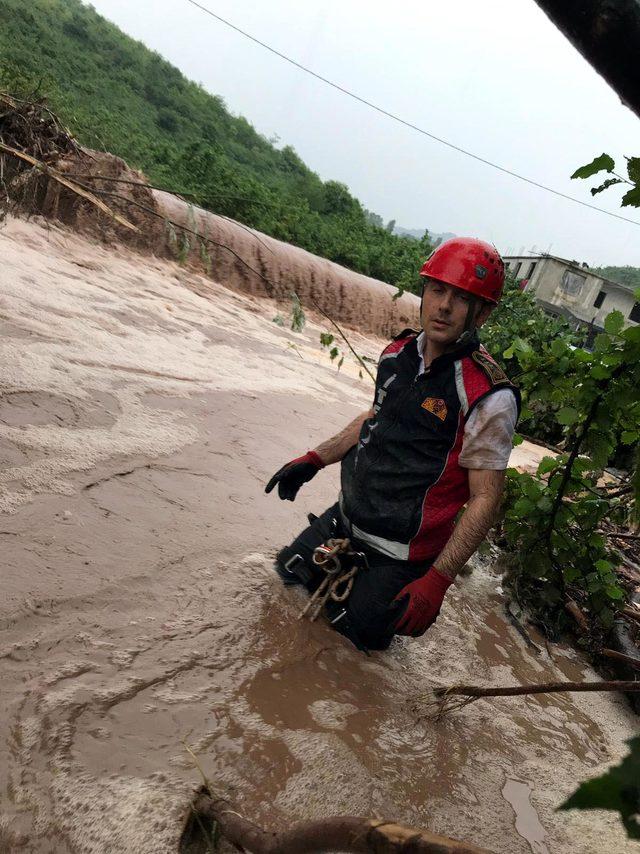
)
(542, 688)
(183, 195)
(79, 189)
(343, 336)
(441, 701)
(620, 656)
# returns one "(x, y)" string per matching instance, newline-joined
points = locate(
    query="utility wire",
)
(404, 122)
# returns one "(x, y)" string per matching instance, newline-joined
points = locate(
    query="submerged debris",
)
(207, 815)
(440, 701)
(43, 170)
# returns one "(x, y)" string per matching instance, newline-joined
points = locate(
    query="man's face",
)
(444, 312)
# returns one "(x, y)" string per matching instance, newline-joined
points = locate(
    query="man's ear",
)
(484, 311)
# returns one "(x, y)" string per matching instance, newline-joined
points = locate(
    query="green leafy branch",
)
(606, 163)
(554, 518)
(298, 318)
(618, 790)
(328, 342)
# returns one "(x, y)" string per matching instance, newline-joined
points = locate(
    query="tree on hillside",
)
(117, 95)
(629, 276)
(374, 218)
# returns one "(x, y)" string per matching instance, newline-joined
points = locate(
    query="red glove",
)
(423, 601)
(292, 475)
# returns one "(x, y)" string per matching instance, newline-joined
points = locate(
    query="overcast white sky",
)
(494, 77)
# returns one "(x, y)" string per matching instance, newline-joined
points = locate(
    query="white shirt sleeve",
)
(488, 433)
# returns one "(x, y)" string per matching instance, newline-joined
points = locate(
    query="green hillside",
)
(629, 276)
(117, 95)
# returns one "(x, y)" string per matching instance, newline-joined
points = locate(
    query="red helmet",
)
(469, 264)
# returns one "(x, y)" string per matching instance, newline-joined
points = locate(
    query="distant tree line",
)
(629, 276)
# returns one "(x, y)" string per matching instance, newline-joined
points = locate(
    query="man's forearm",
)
(334, 449)
(477, 519)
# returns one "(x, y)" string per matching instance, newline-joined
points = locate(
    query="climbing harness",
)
(341, 564)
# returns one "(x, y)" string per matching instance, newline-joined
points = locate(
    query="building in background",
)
(570, 290)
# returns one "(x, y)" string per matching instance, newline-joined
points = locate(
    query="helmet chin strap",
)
(469, 323)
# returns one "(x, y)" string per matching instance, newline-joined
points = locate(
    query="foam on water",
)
(142, 410)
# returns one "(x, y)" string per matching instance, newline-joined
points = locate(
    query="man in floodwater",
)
(438, 436)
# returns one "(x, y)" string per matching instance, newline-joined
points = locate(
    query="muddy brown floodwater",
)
(142, 409)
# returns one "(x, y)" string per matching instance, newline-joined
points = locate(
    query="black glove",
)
(291, 476)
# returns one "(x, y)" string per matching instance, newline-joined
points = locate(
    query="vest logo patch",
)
(494, 372)
(436, 406)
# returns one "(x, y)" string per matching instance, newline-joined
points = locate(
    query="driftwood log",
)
(338, 833)
(607, 34)
(478, 691)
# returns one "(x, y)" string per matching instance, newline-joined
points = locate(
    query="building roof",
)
(572, 266)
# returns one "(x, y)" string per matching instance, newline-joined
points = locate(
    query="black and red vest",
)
(402, 484)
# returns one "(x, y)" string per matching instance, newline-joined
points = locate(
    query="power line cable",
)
(404, 122)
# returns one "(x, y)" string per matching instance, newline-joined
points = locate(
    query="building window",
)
(571, 283)
(599, 299)
(634, 314)
(531, 269)
(517, 269)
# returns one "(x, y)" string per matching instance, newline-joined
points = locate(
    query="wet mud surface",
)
(142, 409)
